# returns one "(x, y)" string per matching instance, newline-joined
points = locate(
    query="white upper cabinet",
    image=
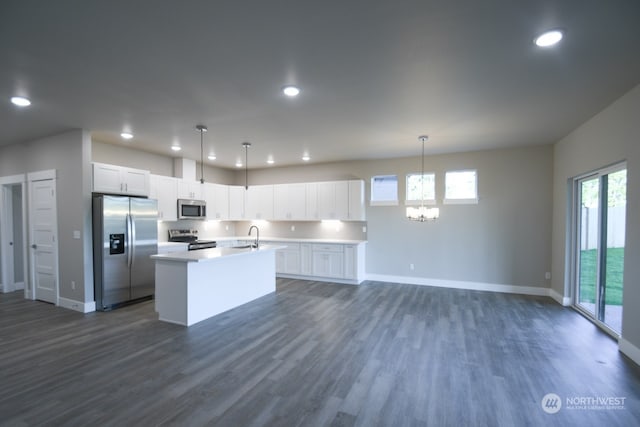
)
(311, 192)
(356, 200)
(312, 201)
(236, 202)
(189, 189)
(217, 198)
(165, 190)
(333, 200)
(290, 202)
(259, 202)
(113, 179)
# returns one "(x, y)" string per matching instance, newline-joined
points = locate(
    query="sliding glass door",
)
(600, 224)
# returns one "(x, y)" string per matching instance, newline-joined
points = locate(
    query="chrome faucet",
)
(255, 245)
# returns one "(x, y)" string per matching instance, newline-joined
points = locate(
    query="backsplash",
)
(206, 229)
(340, 230)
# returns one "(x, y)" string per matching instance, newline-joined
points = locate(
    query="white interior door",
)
(43, 235)
(6, 241)
(13, 234)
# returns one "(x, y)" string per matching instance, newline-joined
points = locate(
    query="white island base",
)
(193, 286)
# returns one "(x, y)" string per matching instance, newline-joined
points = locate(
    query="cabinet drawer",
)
(327, 248)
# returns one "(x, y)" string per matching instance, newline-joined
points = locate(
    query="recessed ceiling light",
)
(306, 157)
(211, 157)
(20, 101)
(238, 164)
(291, 90)
(176, 148)
(270, 161)
(548, 38)
(126, 135)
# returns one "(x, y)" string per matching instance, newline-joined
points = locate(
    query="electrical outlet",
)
(293, 228)
(547, 275)
(364, 228)
(411, 266)
(73, 285)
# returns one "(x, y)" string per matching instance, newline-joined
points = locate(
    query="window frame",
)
(388, 202)
(418, 202)
(461, 201)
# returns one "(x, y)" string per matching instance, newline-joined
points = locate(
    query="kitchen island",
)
(195, 285)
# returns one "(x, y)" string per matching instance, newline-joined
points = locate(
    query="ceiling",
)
(374, 74)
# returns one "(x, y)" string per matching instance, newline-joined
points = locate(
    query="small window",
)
(384, 190)
(461, 186)
(415, 186)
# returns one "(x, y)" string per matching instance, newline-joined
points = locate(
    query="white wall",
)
(609, 137)
(69, 154)
(504, 239)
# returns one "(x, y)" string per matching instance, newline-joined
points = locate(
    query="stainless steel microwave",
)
(192, 209)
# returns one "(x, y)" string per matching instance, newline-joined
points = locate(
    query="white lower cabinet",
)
(325, 262)
(305, 259)
(350, 261)
(288, 259)
(328, 260)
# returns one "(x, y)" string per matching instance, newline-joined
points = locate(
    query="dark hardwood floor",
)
(314, 354)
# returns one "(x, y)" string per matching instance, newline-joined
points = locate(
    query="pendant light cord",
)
(246, 146)
(202, 129)
(201, 158)
(422, 177)
(246, 167)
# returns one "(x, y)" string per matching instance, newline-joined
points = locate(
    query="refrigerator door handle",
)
(132, 220)
(129, 241)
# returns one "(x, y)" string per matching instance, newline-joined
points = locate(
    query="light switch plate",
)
(76, 234)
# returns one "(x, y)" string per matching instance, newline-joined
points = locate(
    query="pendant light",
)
(246, 146)
(202, 129)
(422, 213)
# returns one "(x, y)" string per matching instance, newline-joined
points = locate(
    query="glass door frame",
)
(576, 226)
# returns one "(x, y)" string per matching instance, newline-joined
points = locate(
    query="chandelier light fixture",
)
(422, 213)
(202, 129)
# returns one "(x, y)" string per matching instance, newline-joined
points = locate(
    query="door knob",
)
(34, 246)
(10, 243)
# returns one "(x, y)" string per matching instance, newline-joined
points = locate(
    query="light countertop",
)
(212, 254)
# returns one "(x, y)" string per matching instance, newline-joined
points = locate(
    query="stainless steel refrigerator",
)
(125, 235)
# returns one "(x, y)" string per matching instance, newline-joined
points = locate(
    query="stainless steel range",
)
(191, 237)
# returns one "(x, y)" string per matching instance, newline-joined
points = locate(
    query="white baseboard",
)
(629, 350)
(560, 299)
(82, 307)
(457, 284)
(18, 286)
